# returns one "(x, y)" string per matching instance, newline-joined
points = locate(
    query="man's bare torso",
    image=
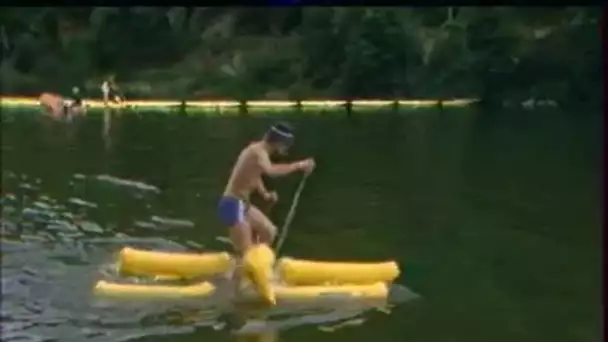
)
(246, 173)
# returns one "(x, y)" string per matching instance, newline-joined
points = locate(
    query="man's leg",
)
(241, 238)
(261, 225)
(232, 213)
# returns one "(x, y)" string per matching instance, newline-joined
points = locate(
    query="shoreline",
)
(18, 101)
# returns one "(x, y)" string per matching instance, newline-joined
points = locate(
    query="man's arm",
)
(274, 170)
(261, 188)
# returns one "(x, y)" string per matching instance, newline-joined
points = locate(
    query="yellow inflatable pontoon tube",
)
(377, 291)
(257, 266)
(105, 288)
(302, 272)
(168, 264)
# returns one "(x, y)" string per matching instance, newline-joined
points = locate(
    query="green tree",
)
(496, 53)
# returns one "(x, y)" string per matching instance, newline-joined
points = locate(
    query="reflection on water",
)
(106, 129)
(493, 218)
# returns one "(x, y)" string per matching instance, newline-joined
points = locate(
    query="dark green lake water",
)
(495, 219)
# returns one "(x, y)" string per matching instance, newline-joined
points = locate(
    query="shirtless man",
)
(245, 221)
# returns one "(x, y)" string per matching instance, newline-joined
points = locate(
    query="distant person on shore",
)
(59, 107)
(110, 92)
(247, 224)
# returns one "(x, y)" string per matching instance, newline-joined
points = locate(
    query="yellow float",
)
(205, 289)
(302, 272)
(172, 264)
(257, 266)
(104, 288)
(297, 279)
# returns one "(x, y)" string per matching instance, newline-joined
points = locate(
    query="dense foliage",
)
(276, 53)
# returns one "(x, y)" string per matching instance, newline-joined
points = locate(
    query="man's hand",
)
(271, 196)
(307, 165)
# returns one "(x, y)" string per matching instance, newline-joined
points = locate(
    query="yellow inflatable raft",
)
(257, 266)
(302, 272)
(300, 279)
(170, 264)
(377, 291)
(105, 288)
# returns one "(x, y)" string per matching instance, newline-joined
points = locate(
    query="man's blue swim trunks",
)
(231, 210)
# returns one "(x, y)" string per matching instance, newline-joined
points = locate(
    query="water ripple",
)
(54, 251)
(127, 183)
